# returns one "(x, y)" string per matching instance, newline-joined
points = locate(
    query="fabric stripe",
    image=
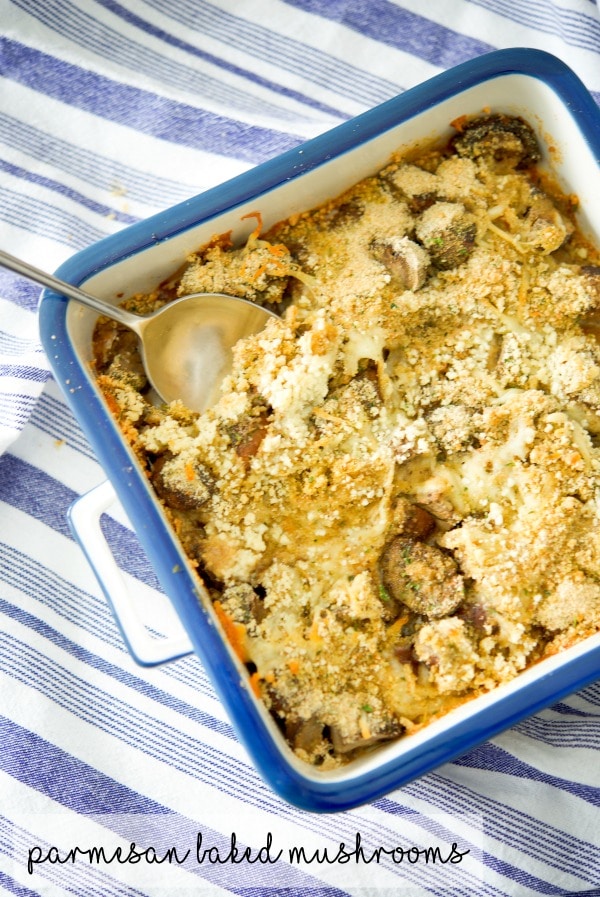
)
(123, 720)
(14, 887)
(146, 112)
(10, 344)
(563, 733)
(526, 835)
(151, 743)
(38, 375)
(93, 168)
(576, 29)
(19, 291)
(565, 709)
(126, 804)
(54, 418)
(74, 195)
(59, 595)
(89, 32)
(15, 409)
(335, 74)
(514, 827)
(592, 694)
(79, 878)
(87, 782)
(118, 674)
(489, 756)
(193, 49)
(390, 24)
(32, 673)
(26, 756)
(35, 492)
(37, 582)
(48, 220)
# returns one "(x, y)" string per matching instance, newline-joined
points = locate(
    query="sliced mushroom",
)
(116, 349)
(345, 213)
(367, 384)
(374, 731)
(592, 280)
(105, 335)
(545, 228)
(417, 187)
(304, 734)
(182, 485)
(243, 603)
(447, 231)
(404, 652)
(407, 262)
(475, 615)
(590, 323)
(247, 434)
(498, 138)
(309, 736)
(411, 520)
(422, 577)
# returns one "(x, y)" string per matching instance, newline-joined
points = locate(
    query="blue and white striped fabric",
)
(109, 112)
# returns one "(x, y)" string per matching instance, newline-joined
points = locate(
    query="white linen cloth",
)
(109, 112)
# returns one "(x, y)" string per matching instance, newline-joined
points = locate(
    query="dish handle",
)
(146, 647)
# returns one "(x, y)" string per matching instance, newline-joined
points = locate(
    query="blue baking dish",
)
(524, 82)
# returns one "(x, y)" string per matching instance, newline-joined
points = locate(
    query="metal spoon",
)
(185, 345)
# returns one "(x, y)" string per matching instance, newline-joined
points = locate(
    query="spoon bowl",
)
(186, 346)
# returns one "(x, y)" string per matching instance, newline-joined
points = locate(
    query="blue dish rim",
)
(304, 791)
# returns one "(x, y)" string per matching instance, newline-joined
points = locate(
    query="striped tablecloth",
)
(110, 111)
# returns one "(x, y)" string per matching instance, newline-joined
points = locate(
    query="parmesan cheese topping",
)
(395, 501)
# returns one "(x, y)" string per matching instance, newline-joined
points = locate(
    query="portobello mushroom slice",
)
(507, 140)
(374, 730)
(422, 577)
(183, 486)
(448, 232)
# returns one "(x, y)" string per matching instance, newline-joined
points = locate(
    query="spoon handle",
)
(66, 289)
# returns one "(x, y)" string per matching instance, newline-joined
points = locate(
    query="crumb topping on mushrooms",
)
(394, 505)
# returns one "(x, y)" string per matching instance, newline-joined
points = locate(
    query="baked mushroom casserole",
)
(394, 505)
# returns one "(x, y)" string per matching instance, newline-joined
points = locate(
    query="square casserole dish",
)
(522, 82)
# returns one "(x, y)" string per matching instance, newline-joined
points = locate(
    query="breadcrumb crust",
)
(458, 378)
